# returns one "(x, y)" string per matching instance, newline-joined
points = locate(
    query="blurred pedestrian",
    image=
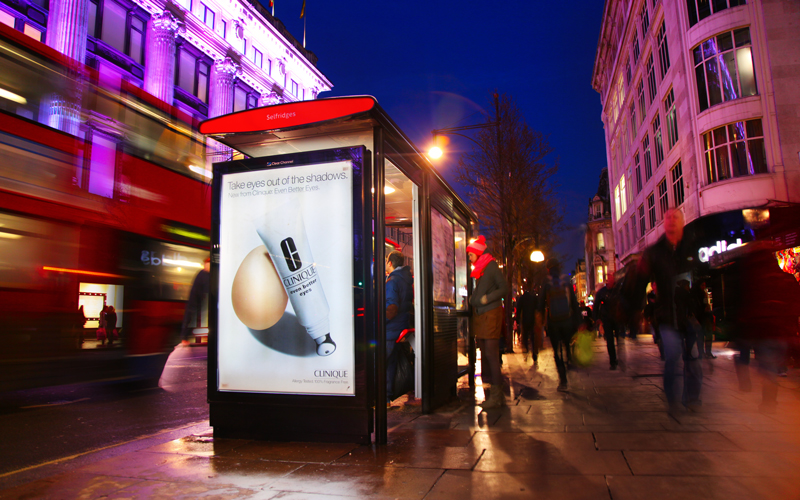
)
(526, 322)
(111, 324)
(605, 318)
(198, 295)
(559, 308)
(666, 262)
(487, 320)
(767, 313)
(650, 318)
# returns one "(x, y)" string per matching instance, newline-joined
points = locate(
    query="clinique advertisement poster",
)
(285, 321)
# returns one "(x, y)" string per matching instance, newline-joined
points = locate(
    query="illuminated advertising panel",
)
(285, 299)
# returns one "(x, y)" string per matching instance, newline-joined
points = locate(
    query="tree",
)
(509, 187)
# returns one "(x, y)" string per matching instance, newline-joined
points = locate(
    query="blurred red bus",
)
(114, 213)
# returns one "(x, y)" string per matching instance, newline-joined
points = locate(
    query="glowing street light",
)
(537, 256)
(435, 152)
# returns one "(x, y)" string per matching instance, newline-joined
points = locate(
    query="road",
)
(42, 425)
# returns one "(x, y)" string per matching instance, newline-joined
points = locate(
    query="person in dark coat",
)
(197, 295)
(561, 326)
(487, 315)
(399, 308)
(111, 323)
(526, 322)
(605, 318)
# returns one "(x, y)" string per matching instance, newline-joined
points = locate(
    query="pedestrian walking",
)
(487, 318)
(526, 322)
(559, 309)
(605, 318)
(666, 262)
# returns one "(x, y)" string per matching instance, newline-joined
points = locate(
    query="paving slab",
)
(661, 441)
(705, 488)
(461, 485)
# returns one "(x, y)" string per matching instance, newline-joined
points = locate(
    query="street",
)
(43, 425)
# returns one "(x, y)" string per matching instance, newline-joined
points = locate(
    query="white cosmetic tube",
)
(284, 234)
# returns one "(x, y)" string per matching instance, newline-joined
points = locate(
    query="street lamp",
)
(537, 256)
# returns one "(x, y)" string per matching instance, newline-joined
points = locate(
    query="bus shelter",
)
(297, 348)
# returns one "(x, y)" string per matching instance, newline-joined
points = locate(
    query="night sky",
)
(434, 64)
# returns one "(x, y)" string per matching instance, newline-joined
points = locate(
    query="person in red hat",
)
(487, 301)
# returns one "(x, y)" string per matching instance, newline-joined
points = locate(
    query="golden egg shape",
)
(257, 294)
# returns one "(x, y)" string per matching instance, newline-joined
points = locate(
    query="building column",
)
(159, 71)
(221, 103)
(221, 91)
(67, 27)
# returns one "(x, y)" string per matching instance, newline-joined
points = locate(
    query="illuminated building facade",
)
(699, 108)
(600, 254)
(207, 58)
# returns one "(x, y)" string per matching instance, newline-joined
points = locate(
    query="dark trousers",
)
(529, 340)
(560, 335)
(611, 335)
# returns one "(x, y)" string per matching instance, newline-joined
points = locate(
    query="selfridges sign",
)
(705, 253)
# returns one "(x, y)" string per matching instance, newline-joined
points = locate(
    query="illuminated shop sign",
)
(705, 253)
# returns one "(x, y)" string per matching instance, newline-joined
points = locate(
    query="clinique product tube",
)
(284, 234)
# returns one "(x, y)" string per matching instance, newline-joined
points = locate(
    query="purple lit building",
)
(700, 103)
(207, 58)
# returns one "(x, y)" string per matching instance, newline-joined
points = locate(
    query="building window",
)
(100, 164)
(658, 146)
(642, 227)
(640, 91)
(258, 57)
(633, 119)
(663, 50)
(616, 203)
(663, 200)
(33, 32)
(628, 73)
(600, 274)
(645, 19)
(207, 16)
(701, 9)
(627, 236)
(724, 68)
(620, 241)
(192, 73)
(118, 27)
(294, 88)
(7, 19)
(601, 242)
(222, 28)
(244, 97)
(651, 79)
(634, 234)
(735, 150)
(635, 50)
(268, 69)
(648, 167)
(651, 210)
(672, 119)
(677, 184)
(629, 188)
(637, 172)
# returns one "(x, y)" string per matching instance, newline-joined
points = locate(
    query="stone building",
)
(206, 58)
(600, 256)
(700, 105)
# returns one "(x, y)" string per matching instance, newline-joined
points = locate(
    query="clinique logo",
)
(290, 254)
(331, 373)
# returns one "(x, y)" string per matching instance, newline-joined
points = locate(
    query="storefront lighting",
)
(186, 263)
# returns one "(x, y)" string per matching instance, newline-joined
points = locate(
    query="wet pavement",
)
(609, 437)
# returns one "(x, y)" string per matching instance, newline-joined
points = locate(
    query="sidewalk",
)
(610, 437)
